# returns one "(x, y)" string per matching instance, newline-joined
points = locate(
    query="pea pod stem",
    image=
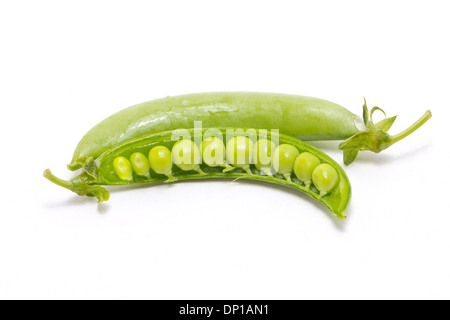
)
(416, 125)
(60, 182)
(80, 185)
(375, 137)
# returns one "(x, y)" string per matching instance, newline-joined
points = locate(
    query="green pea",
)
(122, 167)
(304, 166)
(283, 159)
(186, 155)
(160, 160)
(325, 178)
(213, 152)
(239, 153)
(140, 164)
(262, 155)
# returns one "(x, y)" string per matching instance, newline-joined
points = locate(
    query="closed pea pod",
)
(283, 159)
(160, 160)
(304, 117)
(304, 166)
(325, 178)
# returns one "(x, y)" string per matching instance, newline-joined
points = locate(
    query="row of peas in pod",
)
(239, 152)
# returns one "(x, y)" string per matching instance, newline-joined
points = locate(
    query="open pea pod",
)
(232, 153)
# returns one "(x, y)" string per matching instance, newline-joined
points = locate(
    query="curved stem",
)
(199, 170)
(377, 139)
(80, 186)
(266, 171)
(287, 176)
(228, 169)
(395, 138)
(170, 178)
(247, 170)
(62, 183)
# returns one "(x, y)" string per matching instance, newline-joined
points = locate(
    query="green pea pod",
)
(330, 186)
(306, 118)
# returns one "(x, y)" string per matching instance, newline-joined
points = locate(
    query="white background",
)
(67, 65)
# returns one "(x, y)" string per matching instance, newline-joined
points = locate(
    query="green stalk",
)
(412, 128)
(80, 185)
(376, 137)
(62, 183)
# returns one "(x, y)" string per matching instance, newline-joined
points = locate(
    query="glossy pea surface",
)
(186, 155)
(262, 154)
(239, 151)
(283, 159)
(213, 152)
(122, 168)
(304, 166)
(325, 178)
(140, 164)
(160, 160)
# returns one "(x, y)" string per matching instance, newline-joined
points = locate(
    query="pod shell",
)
(337, 200)
(304, 117)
